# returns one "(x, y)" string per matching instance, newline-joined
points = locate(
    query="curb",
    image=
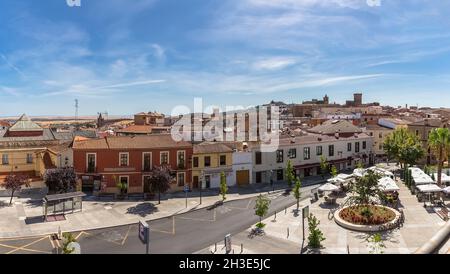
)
(134, 222)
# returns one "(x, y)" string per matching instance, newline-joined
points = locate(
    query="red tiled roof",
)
(131, 142)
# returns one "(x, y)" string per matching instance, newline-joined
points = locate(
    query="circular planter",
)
(367, 228)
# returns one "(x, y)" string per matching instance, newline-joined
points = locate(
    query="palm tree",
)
(439, 142)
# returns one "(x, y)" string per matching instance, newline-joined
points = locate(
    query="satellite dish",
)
(75, 246)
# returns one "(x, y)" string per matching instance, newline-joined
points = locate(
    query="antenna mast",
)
(76, 112)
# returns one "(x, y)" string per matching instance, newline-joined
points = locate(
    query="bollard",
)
(275, 215)
(233, 251)
(288, 232)
(242, 248)
(285, 210)
(215, 247)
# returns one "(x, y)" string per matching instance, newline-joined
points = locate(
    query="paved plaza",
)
(283, 234)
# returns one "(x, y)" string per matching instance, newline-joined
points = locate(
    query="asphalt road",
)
(181, 234)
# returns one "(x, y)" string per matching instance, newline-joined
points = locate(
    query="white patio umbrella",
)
(387, 184)
(328, 187)
(444, 177)
(430, 188)
(423, 180)
(446, 190)
(335, 180)
(358, 172)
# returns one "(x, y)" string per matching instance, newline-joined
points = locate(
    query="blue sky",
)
(128, 56)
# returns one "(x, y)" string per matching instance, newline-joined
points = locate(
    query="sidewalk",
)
(24, 217)
(284, 235)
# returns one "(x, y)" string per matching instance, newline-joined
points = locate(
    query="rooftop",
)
(156, 141)
(206, 148)
(333, 126)
(24, 123)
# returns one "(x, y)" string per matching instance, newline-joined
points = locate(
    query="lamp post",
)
(202, 176)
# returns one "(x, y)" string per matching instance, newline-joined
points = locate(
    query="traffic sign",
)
(144, 234)
(228, 243)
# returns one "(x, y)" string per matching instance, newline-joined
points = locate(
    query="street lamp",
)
(202, 176)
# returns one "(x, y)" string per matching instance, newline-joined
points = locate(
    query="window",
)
(29, 158)
(180, 159)
(223, 160)
(180, 179)
(5, 160)
(123, 158)
(207, 161)
(279, 156)
(164, 158)
(319, 150)
(331, 150)
(380, 146)
(259, 177)
(258, 157)
(371, 134)
(306, 153)
(292, 153)
(417, 132)
(195, 161)
(280, 175)
(147, 162)
(91, 162)
(357, 147)
(380, 135)
(349, 146)
(364, 145)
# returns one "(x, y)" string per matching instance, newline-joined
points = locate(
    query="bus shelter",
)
(63, 203)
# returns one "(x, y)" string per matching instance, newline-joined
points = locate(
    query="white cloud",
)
(275, 63)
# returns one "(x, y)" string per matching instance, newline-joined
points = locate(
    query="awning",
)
(429, 188)
(446, 190)
(387, 184)
(423, 180)
(328, 187)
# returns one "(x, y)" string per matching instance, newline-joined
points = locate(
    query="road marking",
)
(101, 238)
(25, 249)
(242, 208)
(200, 219)
(27, 245)
(166, 232)
(126, 235)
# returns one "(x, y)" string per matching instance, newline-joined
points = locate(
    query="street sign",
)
(305, 212)
(228, 243)
(144, 234)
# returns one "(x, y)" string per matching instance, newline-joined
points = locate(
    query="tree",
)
(261, 209)
(315, 237)
(439, 142)
(15, 183)
(160, 179)
(359, 165)
(60, 180)
(297, 193)
(68, 238)
(223, 186)
(404, 147)
(290, 177)
(323, 166)
(366, 188)
(334, 171)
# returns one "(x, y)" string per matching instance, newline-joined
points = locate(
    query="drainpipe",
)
(432, 246)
